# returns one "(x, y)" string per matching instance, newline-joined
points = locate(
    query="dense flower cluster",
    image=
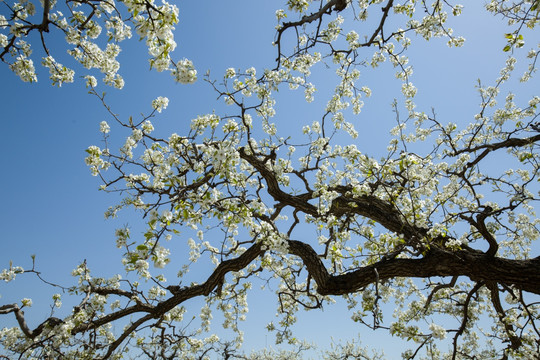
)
(84, 27)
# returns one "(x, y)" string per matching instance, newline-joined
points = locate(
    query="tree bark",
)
(478, 266)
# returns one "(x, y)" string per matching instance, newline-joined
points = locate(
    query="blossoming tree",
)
(431, 227)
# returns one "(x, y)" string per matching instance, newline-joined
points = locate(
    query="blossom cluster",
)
(84, 28)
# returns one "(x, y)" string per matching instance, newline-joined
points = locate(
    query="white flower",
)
(59, 74)
(57, 302)
(160, 103)
(24, 68)
(438, 331)
(229, 73)
(408, 89)
(9, 275)
(280, 14)
(147, 127)
(167, 215)
(104, 127)
(90, 81)
(184, 72)
(3, 40)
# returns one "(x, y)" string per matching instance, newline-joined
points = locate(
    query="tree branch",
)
(523, 274)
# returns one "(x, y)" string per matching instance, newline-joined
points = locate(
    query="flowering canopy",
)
(83, 30)
(437, 232)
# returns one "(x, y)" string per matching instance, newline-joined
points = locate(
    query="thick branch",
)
(523, 274)
(378, 210)
(369, 206)
(181, 294)
(44, 26)
(515, 341)
(509, 143)
(19, 315)
(379, 29)
(481, 226)
(298, 201)
(214, 280)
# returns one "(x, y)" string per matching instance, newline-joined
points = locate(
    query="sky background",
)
(50, 203)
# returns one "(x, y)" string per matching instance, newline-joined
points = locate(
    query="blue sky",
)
(50, 203)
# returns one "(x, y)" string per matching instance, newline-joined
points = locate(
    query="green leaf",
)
(133, 258)
(507, 48)
(523, 157)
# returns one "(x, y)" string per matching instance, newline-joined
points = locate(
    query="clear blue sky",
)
(50, 203)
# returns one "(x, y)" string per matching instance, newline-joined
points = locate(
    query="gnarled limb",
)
(523, 274)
